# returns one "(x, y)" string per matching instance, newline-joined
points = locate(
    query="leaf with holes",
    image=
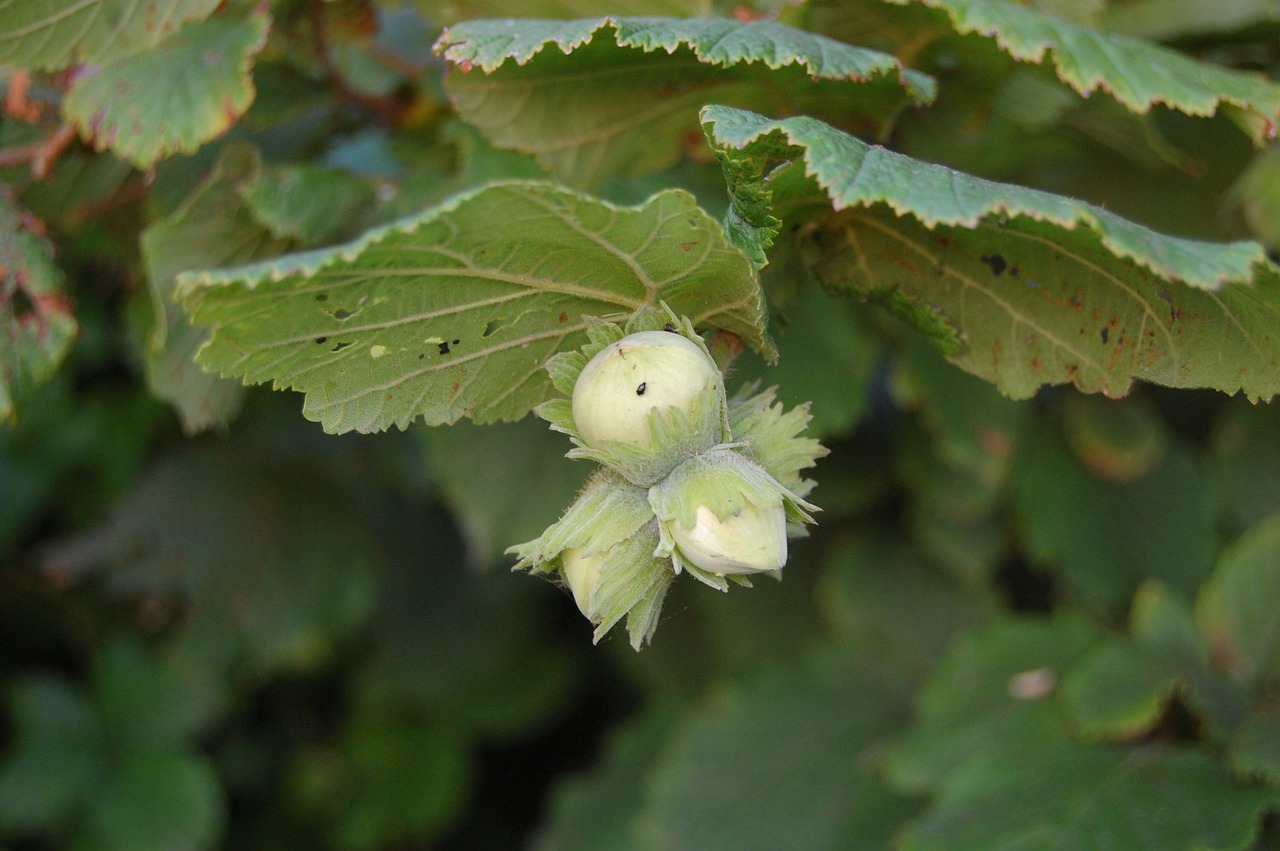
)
(1136, 73)
(47, 35)
(597, 97)
(36, 324)
(1018, 286)
(452, 313)
(174, 98)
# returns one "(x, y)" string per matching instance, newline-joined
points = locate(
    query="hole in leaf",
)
(342, 314)
(497, 325)
(341, 345)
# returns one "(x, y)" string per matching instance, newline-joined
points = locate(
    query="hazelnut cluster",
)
(690, 480)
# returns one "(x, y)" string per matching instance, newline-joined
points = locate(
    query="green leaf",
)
(157, 800)
(1115, 441)
(972, 428)
(816, 329)
(1257, 194)
(1136, 73)
(408, 779)
(1119, 691)
(1107, 537)
(1163, 626)
(55, 760)
(956, 460)
(474, 648)
(148, 698)
(48, 35)
(36, 323)
(267, 556)
(214, 227)
(311, 204)
(1020, 287)
(1244, 465)
(994, 692)
(596, 97)
(1236, 608)
(1167, 19)
(467, 9)
(505, 482)
(597, 809)
(453, 312)
(174, 98)
(1162, 621)
(1059, 793)
(827, 713)
(878, 596)
(954, 516)
(1254, 750)
(78, 189)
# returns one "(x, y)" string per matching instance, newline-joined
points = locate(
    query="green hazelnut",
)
(753, 540)
(650, 371)
(582, 575)
(724, 514)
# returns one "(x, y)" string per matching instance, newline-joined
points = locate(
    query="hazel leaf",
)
(1236, 609)
(442, 315)
(36, 320)
(213, 226)
(1137, 73)
(1058, 792)
(598, 97)
(173, 98)
(48, 35)
(1020, 287)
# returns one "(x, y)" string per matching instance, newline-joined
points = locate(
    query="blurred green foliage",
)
(1046, 623)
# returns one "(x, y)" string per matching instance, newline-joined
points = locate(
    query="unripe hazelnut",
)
(649, 371)
(752, 541)
(723, 513)
(581, 574)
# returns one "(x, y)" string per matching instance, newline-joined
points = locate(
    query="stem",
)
(16, 103)
(41, 155)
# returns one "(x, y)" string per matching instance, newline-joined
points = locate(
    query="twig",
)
(51, 150)
(41, 155)
(16, 103)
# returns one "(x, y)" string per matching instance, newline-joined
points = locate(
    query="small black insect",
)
(670, 328)
(640, 390)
